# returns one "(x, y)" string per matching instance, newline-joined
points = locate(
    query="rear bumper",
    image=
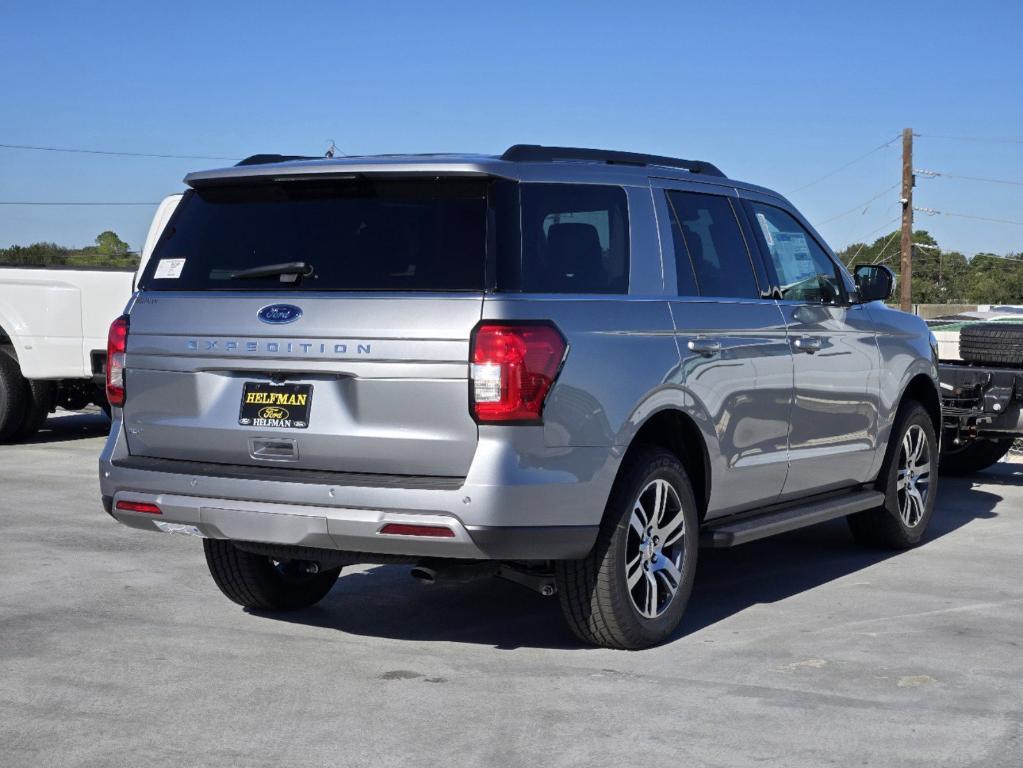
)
(510, 507)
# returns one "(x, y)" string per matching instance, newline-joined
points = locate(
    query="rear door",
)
(833, 439)
(736, 362)
(356, 360)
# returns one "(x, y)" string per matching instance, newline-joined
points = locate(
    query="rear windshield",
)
(365, 234)
(352, 235)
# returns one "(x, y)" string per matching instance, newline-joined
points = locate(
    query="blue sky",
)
(775, 93)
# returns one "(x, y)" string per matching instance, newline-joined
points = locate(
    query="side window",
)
(804, 271)
(575, 239)
(714, 248)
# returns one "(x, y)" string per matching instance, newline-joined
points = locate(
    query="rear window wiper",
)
(289, 271)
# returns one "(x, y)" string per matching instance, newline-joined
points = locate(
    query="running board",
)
(731, 533)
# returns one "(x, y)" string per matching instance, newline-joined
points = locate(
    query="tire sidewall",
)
(662, 466)
(915, 415)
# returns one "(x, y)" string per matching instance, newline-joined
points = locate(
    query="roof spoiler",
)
(265, 159)
(538, 153)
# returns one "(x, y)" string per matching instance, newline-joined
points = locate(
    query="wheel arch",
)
(677, 432)
(922, 389)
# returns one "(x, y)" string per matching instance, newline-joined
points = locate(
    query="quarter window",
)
(575, 239)
(804, 272)
(713, 249)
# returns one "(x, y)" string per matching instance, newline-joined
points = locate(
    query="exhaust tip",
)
(423, 574)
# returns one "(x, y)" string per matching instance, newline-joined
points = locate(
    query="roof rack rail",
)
(264, 159)
(538, 153)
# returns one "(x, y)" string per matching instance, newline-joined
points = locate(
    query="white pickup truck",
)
(53, 335)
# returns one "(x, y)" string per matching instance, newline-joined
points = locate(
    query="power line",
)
(980, 139)
(932, 212)
(864, 243)
(864, 205)
(118, 154)
(934, 174)
(843, 167)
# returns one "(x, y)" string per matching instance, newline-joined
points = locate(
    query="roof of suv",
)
(521, 162)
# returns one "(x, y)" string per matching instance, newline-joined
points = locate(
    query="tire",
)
(901, 521)
(14, 397)
(41, 401)
(594, 592)
(998, 344)
(974, 456)
(257, 581)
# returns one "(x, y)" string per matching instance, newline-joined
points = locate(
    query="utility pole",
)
(906, 293)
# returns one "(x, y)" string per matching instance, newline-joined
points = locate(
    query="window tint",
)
(575, 239)
(714, 245)
(361, 234)
(804, 271)
(684, 275)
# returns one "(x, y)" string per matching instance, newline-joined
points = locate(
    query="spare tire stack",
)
(995, 344)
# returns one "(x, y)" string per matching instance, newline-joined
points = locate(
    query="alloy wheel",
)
(655, 548)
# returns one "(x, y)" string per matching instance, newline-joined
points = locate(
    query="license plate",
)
(275, 406)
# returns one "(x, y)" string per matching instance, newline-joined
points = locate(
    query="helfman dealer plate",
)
(275, 406)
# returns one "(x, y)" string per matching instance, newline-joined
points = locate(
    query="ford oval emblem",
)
(278, 314)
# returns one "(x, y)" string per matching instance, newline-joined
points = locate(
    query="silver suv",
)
(566, 367)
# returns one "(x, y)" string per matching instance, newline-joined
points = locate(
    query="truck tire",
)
(14, 397)
(978, 454)
(998, 344)
(909, 481)
(40, 403)
(631, 590)
(260, 582)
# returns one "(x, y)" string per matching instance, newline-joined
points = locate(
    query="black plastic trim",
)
(540, 542)
(538, 153)
(289, 475)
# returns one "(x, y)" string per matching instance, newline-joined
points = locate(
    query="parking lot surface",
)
(117, 649)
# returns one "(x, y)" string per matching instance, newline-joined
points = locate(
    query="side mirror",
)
(874, 282)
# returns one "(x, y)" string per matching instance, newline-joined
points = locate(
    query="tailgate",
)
(385, 376)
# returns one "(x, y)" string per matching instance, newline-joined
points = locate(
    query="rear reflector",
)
(138, 506)
(436, 531)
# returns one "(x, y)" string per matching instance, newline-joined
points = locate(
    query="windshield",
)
(354, 234)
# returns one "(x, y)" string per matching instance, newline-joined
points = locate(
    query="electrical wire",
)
(933, 212)
(864, 243)
(980, 139)
(934, 174)
(843, 167)
(118, 154)
(864, 205)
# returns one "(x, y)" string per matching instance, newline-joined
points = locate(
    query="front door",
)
(834, 419)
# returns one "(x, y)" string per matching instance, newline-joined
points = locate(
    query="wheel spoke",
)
(660, 502)
(673, 530)
(667, 569)
(900, 484)
(907, 448)
(638, 520)
(652, 597)
(923, 470)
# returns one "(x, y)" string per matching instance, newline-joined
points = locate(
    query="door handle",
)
(704, 347)
(808, 344)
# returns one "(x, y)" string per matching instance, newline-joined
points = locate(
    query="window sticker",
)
(169, 269)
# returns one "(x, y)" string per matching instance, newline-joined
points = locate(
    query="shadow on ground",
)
(386, 602)
(64, 426)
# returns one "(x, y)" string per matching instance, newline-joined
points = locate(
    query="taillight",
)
(513, 367)
(117, 342)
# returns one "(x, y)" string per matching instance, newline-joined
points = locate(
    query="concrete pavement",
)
(117, 649)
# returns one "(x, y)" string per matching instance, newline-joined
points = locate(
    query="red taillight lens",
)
(401, 529)
(138, 506)
(513, 367)
(117, 342)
